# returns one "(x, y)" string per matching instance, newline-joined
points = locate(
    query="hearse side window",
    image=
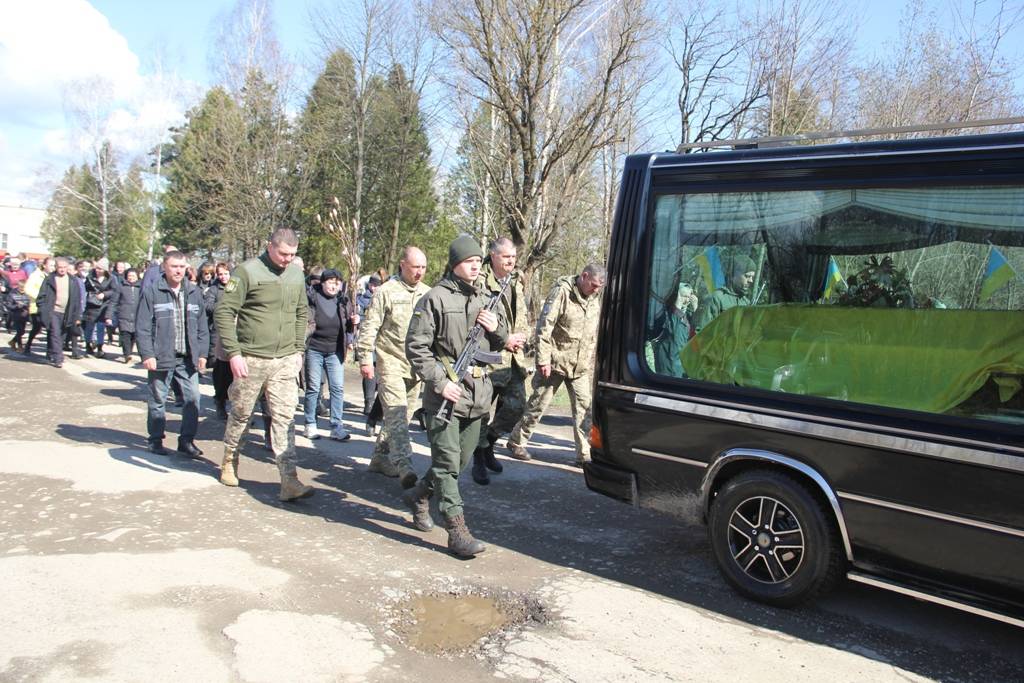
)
(906, 298)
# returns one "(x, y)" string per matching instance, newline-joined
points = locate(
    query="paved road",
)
(120, 565)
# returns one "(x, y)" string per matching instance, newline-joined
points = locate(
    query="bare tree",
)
(254, 154)
(541, 67)
(720, 83)
(935, 76)
(88, 105)
(245, 42)
(362, 38)
(805, 46)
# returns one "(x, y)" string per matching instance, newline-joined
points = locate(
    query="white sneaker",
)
(312, 432)
(339, 434)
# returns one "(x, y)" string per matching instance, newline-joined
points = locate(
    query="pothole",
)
(455, 622)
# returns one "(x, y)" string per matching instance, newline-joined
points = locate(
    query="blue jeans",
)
(159, 385)
(316, 361)
(95, 332)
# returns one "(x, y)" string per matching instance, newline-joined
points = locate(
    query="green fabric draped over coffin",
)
(920, 359)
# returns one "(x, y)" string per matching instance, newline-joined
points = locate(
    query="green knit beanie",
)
(464, 247)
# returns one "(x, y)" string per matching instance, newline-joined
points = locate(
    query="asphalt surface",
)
(120, 565)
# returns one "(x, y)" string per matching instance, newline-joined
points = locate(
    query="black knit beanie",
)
(464, 247)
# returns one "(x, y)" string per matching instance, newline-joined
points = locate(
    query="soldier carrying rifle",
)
(440, 327)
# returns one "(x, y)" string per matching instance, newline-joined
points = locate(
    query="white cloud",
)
(56, 142)
(47, 46)
(48, 43)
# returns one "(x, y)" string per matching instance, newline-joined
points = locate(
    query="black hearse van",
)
(820, 351)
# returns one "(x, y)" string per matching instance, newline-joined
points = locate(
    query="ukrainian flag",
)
(832, 278)
(997, 273)
(710, 265)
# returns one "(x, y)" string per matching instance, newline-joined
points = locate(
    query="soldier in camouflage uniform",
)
(382, 338)
(437, 334)
(261, 320)
(734, 293)
(566, 336)
(508, 379)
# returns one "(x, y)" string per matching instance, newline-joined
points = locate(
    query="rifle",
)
(472, 354)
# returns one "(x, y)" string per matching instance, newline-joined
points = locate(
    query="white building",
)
(19, 231)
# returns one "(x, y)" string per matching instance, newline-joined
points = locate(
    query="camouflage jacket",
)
(567, 329)
(382, 331)
(513, 308)
(438, 332)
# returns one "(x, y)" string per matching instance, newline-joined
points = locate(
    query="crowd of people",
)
(270, 332)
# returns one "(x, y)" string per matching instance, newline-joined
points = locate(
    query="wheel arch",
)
(737, 460)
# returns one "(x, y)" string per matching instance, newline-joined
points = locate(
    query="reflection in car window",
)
(898, 297)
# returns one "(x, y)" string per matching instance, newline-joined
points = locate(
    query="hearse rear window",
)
(905, 298)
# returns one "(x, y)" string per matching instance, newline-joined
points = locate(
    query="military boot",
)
(381, 465)
(418, 500)
(460, 541)
(291, 487)
(480, 475)
(489, 460)
(229, 467)
(518, 452)
(407, 477)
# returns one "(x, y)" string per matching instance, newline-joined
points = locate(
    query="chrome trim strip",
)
(812, 157)
(834, 429)
(670, 458)
(1010, 531)
(755, 454)
(928, 597)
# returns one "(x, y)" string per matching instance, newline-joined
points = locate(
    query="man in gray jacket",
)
(174, 341)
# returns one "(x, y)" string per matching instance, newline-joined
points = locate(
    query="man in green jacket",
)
(736, 292)
(437, 333)
(261, 320)
(509, 377)
(566, 337)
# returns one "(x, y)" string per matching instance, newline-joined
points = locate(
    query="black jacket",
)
(48, 294)
(211, 297)
(99, 297)
(154, 324)
(126, 303)
(341, 301)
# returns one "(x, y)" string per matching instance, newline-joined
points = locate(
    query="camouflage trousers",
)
(392, 454)
(510, 394)
(543, 391)
(279, 378)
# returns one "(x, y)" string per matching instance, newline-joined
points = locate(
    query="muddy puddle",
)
(455, 622)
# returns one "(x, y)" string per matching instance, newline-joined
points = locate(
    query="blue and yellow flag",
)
(997, 273)
(832, 278)
(710, 265)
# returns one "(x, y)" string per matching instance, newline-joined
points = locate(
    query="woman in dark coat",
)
(673, 329)
(99, 293)
(124, 305)
(218, 359)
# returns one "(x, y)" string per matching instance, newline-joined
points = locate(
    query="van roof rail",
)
(771, 141)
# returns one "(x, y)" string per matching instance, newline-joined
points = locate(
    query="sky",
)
(45, 44)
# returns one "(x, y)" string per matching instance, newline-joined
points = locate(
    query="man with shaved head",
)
(381, 354)
(261, 323)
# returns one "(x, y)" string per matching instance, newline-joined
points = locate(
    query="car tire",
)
(773, 540)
